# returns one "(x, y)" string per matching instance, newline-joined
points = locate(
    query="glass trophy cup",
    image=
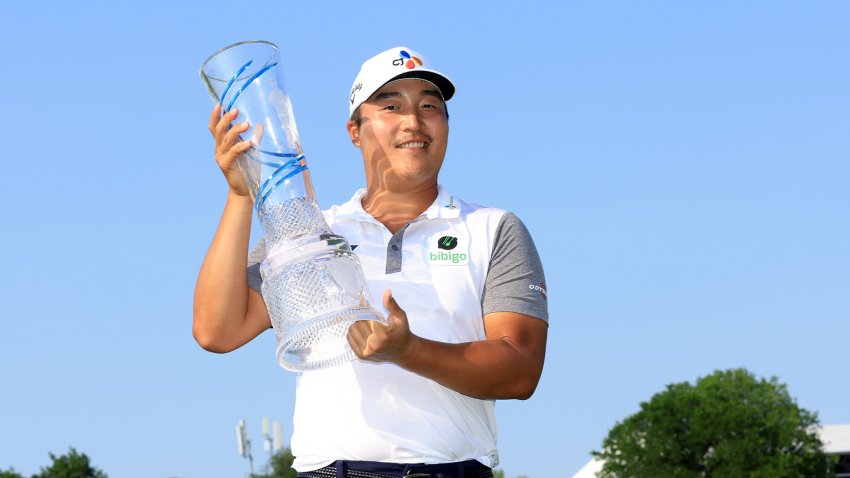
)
(313, 284)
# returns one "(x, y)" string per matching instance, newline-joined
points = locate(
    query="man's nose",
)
(412, 121)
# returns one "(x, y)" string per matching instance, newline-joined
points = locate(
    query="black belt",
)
(377, 469)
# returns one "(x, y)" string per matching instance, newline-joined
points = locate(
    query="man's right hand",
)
(229, 146)
(227, 313)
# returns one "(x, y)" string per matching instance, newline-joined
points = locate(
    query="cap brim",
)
(447, 89)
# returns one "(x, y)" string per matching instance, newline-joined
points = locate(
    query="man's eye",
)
(391, 107)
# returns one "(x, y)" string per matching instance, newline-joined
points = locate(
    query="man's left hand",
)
(376, 342)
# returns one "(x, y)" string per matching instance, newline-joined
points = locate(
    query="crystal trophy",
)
(313, 285)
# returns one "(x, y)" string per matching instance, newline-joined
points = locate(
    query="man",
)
(462, 285)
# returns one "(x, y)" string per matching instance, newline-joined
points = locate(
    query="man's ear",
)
(353, 132)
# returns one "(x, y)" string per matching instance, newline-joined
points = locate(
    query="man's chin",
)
(413, 179)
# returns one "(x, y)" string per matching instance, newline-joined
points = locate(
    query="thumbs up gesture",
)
(376, 342)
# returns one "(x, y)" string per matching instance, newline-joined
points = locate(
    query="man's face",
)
(403, 134)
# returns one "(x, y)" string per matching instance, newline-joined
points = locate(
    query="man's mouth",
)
(413, 144)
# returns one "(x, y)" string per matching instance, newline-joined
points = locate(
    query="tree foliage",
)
(280, 465)
(70, 465)
(728, 425)
(10, 473)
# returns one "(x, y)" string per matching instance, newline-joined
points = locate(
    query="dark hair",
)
(355, 116)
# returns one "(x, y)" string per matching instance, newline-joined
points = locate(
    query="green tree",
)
(280, 465)
(70, 465)
(729, 424)
(10, 473)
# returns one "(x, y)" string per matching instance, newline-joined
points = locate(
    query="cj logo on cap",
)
(407, 60)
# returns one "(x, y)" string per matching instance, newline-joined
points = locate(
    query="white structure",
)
(835, 438)
(836, 441)
(590, 469)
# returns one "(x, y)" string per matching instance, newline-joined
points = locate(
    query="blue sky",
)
(683, 167)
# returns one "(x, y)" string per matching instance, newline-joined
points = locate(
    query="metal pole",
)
(250, 461)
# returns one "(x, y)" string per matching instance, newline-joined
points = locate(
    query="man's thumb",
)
(397, 314)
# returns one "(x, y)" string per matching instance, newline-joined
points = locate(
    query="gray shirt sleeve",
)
(515, 281)
(255, 258)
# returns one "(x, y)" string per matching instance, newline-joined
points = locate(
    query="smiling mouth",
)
(413, 144)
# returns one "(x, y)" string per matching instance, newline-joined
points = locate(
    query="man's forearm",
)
(487, 369)
(221, 293)
(507, 364)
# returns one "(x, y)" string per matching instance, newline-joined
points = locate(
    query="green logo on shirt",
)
(447, 243)
(450, 251)
(452, 257)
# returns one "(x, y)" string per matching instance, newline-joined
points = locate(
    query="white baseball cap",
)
(395, 64)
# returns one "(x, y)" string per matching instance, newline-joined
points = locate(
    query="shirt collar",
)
(444, 207)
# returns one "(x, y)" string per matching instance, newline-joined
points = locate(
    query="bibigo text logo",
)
(446, 253)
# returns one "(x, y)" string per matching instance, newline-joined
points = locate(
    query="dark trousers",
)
(375, 469)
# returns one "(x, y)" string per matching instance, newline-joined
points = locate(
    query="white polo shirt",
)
(447, 269)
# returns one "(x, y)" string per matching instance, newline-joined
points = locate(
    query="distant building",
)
(836, 441)
(835, 438)
(590, 469)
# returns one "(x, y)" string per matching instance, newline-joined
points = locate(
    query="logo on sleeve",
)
(539, 288)
(449, 251)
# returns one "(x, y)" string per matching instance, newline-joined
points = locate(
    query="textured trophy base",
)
(312, 299)
(321, 342)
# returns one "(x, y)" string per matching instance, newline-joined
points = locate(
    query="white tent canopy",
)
(835, 438)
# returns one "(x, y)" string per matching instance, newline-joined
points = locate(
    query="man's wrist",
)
(241, 199)
(411, 353)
